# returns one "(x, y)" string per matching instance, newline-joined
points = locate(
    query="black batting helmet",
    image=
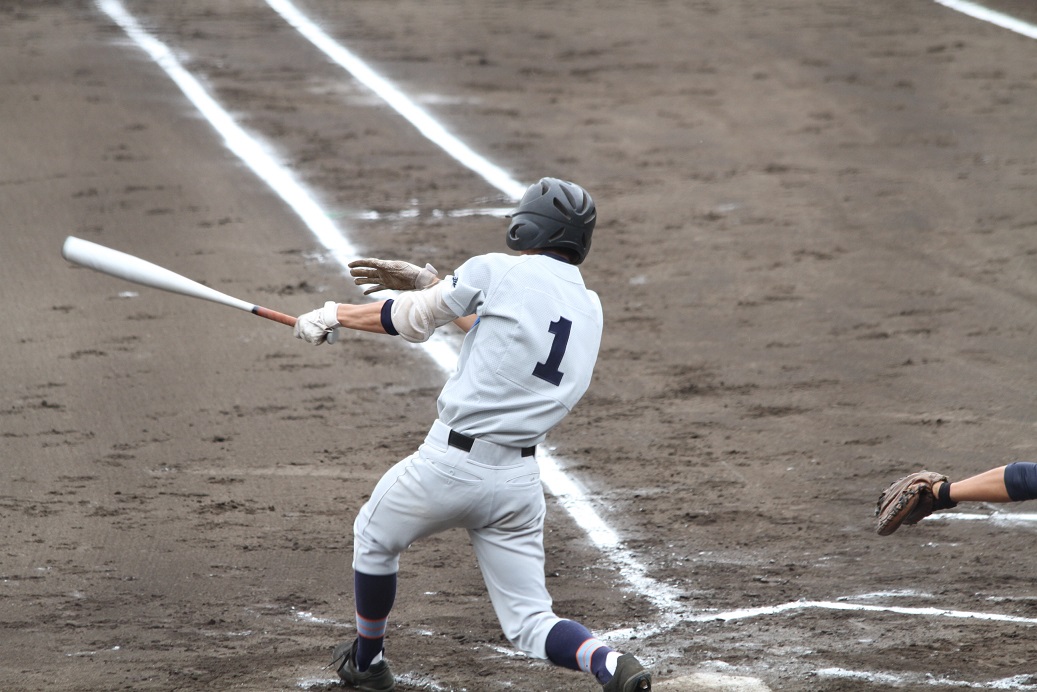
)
(554, 213)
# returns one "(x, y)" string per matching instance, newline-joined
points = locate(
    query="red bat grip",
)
(286, 319)
(273, 315)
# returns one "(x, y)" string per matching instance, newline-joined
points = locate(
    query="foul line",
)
(570, 494)
(237, 140)
(987, 15)
(428, 126)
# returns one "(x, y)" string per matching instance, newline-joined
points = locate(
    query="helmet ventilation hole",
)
(562, 208)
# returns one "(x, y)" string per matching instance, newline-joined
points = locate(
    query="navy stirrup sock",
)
(571, 645)
(375, 595)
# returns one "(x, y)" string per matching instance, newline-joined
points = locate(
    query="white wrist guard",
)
(329, 315)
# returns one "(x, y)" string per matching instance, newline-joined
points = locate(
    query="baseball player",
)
(910, 499)
(532, 335)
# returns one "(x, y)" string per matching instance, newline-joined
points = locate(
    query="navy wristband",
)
(943, 500)
(387, 319)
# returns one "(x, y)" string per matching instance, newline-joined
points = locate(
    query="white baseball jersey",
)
(523, 366)
(529, 357)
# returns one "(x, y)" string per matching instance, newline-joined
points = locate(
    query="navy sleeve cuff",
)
(1021, 480)
(387, 319)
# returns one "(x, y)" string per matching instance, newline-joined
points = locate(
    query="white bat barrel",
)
(130, 268)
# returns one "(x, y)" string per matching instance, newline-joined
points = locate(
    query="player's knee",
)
(371, 557)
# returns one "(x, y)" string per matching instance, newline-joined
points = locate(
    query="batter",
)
(533, 332)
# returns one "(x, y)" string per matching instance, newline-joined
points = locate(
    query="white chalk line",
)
(845, 605)
(1017, 682)
(417, 116)
(374, 215)
(1007, 518)
(244, 146)
(988, 15)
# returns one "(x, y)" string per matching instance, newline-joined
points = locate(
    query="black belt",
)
(464, 443)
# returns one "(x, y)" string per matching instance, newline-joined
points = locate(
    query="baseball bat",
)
(130, 268)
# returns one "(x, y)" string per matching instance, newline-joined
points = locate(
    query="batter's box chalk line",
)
(1000, 518)
(1018, 682)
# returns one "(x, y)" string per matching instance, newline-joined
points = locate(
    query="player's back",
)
(531, 355)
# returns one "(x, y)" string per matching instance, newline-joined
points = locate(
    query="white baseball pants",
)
(491, 491)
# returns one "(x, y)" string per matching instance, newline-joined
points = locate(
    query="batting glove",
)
(318, 326)
(395, 275)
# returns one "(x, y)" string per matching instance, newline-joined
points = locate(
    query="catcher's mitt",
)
(907, 501)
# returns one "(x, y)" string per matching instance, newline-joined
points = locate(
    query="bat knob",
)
(333, 336)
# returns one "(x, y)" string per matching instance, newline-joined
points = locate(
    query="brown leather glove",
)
(395, 275)
(907, 501)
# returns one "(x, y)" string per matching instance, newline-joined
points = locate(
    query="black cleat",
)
(630, 676)
(377, 678)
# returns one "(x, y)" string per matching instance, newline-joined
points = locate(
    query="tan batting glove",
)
(318, 326)
(395, 275)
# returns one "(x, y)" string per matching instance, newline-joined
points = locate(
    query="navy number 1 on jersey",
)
(548, 370)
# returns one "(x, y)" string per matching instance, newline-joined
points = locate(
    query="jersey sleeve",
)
(469, 285)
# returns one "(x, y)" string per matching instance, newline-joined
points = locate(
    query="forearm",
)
(366, 317)
(411, 315)
(988, 486)
(466, 323)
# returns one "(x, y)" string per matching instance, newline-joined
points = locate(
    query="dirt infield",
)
(816, 251)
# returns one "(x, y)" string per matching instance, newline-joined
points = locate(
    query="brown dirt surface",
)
(817, 252)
